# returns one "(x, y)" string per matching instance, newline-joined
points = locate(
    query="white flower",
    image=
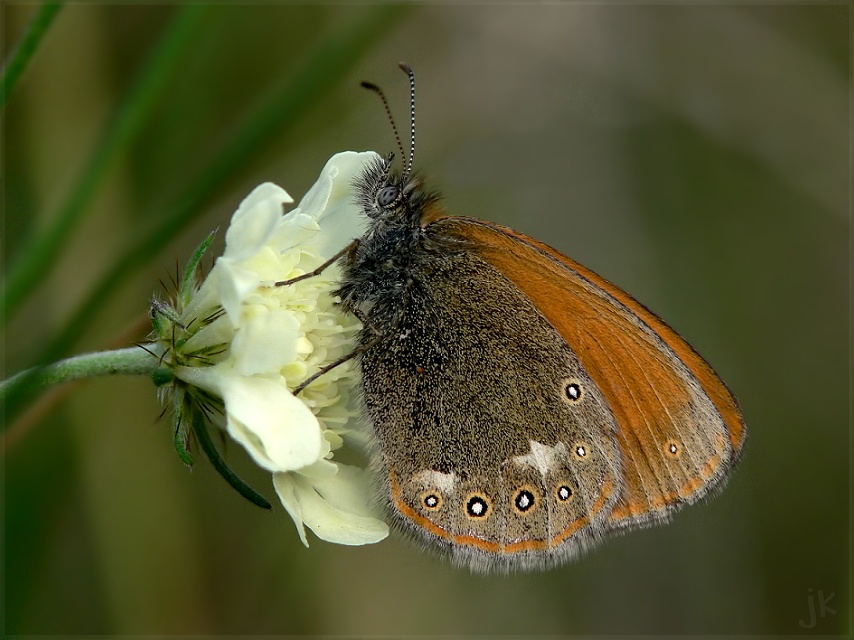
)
(273, 338)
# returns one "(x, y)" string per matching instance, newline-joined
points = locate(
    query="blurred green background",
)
(695, 156)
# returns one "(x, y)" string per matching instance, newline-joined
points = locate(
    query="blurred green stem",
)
(130, 361)
(331, 58)
(34, 259)
(21, 56)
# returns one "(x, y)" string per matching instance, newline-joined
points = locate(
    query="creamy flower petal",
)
(254, 220)
(335, 184)
(235, 283)
(266, 343)
(287, 494)
(314, 201)
(330, 201)
(339, 526)
(330, 518)
(275, 427)
(319, 470)
(294, 229)
(210, 379)
(350, 490)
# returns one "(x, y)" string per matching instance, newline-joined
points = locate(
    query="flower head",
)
(244, 344)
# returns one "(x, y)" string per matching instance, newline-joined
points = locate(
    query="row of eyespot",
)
(478, 506)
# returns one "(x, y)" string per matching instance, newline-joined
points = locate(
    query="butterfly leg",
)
(350, 247)
(355, 352)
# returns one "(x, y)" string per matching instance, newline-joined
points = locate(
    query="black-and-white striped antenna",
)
(379, 92)
(411, 75)
(407, 162)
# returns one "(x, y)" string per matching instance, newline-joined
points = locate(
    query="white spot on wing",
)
(542, 457)
(442, 481)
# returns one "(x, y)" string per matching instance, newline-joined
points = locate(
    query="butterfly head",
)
(393, 198)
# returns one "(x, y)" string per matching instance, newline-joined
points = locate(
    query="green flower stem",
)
(131, 361)
(34, 260)
(18, 60)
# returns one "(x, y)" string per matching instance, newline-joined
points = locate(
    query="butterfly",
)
(524, 407)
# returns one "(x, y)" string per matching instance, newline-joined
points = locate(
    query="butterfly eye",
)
(388, 196)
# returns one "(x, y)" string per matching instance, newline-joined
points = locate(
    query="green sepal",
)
(189, 282)
(200, 429)
(162, 377)
(181, 429)
(163, 319)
